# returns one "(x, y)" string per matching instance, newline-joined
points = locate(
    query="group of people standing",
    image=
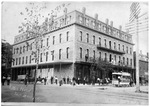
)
(6, 78)
(61, 81)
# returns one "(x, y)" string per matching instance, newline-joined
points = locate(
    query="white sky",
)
(118, 12)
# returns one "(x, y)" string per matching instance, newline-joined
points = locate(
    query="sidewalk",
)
(143, 89)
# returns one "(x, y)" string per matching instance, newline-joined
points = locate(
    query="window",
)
(105, 56)
(20, 50)
(14, 50)
(87, 52)
(110, 58)
(109, 44)
(67, 52)
(119, 60)
(46, 56)
(123, 60)
(52, 53)
(104, 28)
(80, 52)
(26, 59)
(53, 40)
(119, 47)
(60, 38)
(80, 35)
(130, 50)
(23, 49)
(41, 43)
(16, 61)
(41, 57)
(94, 54)
(127, 61)
(47, 41)
(13, 62)
(131, 62)
(99, 41)
(114, 45)
(87, 38)
(93, 39)
(87, 22)
(115, 57)
(80, 19)
(68, 36)
(123, 47)
(99, 55)
(30, 59)
(60, 53)
(17, 50)
(19, 60)
(105, 42)
(127, 49)
(22, 60)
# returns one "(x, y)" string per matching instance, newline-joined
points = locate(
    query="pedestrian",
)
(26, 79)
(45, 81)
(98, 80)
(84, 79)
(60, 82)
(119, 80)
(64, 80)
(52, 79)
(56, 79)
(73, 81)
(131, 82)
(8, 79)
(68, 80)
(78, 80)
(3, 80)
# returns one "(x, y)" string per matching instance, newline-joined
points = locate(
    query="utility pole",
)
(137, 25)
(135, 11)
(137, 58)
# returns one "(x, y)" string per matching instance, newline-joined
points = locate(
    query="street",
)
(79, 94)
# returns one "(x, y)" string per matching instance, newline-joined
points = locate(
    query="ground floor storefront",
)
(81, 71)
(45, 70)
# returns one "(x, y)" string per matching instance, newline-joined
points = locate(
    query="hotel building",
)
(69, 40)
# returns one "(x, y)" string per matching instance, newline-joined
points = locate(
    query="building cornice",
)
(103, 33)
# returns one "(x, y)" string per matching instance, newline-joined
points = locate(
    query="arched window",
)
(60, 53)
(110, 58)
(80, 52)
(80, 35)
(67, 52)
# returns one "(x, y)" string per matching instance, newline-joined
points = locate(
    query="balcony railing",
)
(110, 50)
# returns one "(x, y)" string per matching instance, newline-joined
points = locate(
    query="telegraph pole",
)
(137, 58)
(135, 11)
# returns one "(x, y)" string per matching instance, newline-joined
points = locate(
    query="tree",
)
(34, 26)
(6, 57)
(104, 66)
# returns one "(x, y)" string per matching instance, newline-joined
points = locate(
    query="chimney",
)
(83, 10)
(96, 16)
(111, 23)
(107, 21)
(120, 27)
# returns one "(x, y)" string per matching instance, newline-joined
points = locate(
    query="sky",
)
(118, 12)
